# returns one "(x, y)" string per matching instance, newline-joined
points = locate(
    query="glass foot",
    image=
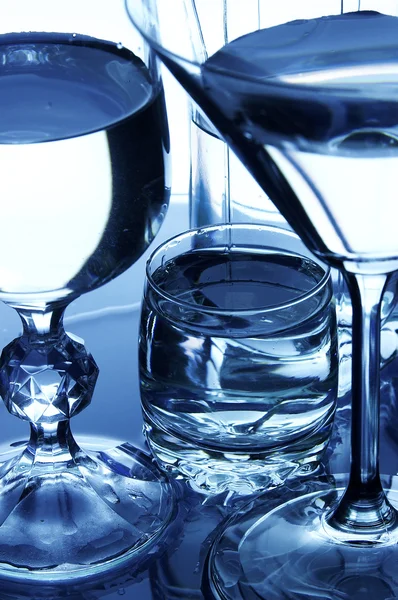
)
(278, 550)
(107, 505)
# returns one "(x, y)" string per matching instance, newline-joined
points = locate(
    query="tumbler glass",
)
(238, 357)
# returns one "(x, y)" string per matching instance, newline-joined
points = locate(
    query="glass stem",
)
(364, 514)
(42, 324)
(47, 377)
(51, 447)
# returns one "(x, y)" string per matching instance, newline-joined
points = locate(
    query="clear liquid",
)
(311, 108)
(83, 157)
(244, 382)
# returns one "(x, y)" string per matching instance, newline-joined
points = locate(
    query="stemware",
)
(307, 100)
(84, 189)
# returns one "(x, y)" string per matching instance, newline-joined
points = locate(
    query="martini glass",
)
(84, 189)
(307, 100)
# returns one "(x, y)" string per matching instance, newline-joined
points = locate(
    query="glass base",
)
(57, 523)
(277, 549)
(242, 472)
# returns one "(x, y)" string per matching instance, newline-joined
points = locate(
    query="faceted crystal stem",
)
(46, 377)
(364, 514)
(51, 448)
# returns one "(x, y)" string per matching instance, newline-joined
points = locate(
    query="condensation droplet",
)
(110, 495)
(119, 46)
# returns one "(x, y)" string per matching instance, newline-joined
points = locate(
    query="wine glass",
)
(307, 100)
(84, 189)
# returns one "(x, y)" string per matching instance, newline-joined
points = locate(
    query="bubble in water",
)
(121, 591)
(119, 46)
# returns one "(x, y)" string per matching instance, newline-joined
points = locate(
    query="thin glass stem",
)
(51, 448)
(364, 514)
(42, 323)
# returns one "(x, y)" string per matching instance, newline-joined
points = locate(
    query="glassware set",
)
(238, 342)
(306, 99)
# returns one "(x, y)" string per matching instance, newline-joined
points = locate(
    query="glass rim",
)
(190, 233)
(164, 50)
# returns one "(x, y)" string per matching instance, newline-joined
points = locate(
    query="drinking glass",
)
(221, 189)
(84, 188)
(308, 102)
(238, 357)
